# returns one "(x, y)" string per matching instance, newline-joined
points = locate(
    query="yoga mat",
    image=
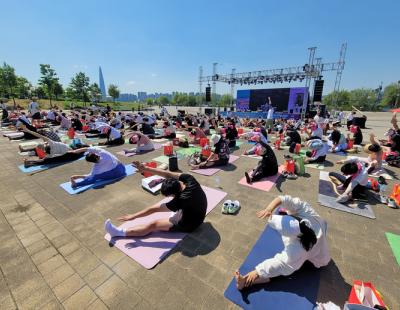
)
(212, 171)
(188, 151)
(148, 251)
(157, 146)
(45, 167)
(165, 159)
(298, 291)
(327, 198)
(264, 184)
(129, 169)
(394, 242)
(315, 166)
(253, 156)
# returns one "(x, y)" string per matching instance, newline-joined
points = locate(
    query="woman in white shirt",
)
(304, 238)
(106, 167)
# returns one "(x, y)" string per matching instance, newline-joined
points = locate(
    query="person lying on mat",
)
(218, 157)
(56, 152)
(351, 185)
(303, 234)
(267, 166)
(319, 150)
(189, 202)
(106, 167)
(144, 144)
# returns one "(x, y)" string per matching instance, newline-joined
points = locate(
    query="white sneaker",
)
(384, 199)
(225, 206)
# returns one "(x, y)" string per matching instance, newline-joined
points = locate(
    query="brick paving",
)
(53, 254)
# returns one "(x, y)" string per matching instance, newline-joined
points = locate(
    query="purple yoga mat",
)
(150, 250)
(157, 146)
(212, 171)
(264, 184)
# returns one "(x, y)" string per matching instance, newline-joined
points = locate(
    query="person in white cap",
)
(220, 155)
(304, 237)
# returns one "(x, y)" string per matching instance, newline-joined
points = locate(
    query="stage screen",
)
(288, 100)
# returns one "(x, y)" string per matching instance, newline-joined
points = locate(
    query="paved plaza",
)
(53, 254)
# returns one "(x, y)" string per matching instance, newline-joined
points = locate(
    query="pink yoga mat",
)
(150, 250)
(212, 171)
(157, 146)
(265, 184)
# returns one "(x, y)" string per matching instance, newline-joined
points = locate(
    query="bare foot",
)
(240, 280)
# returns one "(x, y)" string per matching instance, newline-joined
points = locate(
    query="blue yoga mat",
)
(297, 291)
(129, 169)
(44, 167)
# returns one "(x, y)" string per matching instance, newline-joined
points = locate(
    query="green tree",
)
(48, 80)
(226, 100)
(79, 87)
(391, 93)
(58, 90)
(8, 81)
(163, 100)
(39, 92)
(23, 87)
(191, 101)
(363, 99)
(95, 92)
(149, 101)
(113, 91)
(338, 100)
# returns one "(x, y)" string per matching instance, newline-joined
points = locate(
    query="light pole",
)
(398, 94)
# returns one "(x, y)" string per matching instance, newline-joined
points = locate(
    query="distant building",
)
(102, 85)
(142, 95)
(127, 97)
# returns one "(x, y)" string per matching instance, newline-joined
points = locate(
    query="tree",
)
(149, 101)
(363, 99)
(58, 90)
(48, 80)
(23, 88)
(163, 100)
(113, 91)
(390, 94)
(95, 92)
(226, 100)
(8, 81)
(338, 100)
(79, 87)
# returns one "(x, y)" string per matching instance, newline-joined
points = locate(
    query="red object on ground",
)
(297, 148)
(151, 164)
(350, 144)
(277, 144)
(206, 151)
(204, 141)
(168, 149)
(240, 131)
(289, 165)
(85, 128)
(71, 133)
(40, 153)
(370, 294)
(396, 194)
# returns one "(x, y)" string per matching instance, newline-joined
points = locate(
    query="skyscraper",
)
(102, 85)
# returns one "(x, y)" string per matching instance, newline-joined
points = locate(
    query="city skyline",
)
(158, 46)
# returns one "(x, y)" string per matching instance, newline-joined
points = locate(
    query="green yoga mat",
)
(165, 159)
(188, 151)
(394, 242)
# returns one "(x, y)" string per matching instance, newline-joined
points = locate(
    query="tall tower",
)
(102, 85)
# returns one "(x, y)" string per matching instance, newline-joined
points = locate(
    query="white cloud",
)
(131, 83)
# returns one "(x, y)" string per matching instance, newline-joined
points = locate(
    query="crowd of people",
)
(303, 230)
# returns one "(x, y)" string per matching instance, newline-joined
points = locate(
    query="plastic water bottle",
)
(217, 182)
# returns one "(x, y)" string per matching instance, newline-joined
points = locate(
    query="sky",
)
(158, 46)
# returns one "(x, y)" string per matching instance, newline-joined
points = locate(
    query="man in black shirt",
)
(189, 203)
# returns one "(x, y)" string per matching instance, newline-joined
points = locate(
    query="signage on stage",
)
(288, 101)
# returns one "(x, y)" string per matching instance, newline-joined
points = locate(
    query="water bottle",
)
(217, 182)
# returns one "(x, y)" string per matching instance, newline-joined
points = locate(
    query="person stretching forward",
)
(304, 238)
(189, 202)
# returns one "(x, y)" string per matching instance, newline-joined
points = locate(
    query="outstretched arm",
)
(33, 133)
(162, 173)
(372, 139)
(267, 212)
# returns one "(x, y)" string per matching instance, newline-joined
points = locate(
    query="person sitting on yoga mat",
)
(303, 234)
(267, 166)
(65, 123)
(220, 155)
(293, 137)
(76, 123)
(357, 134)
(169, 130)
(144, 144)
(352, 184)
(114, 136)
(319, 150)
(56, 152)
(146, 128)
(189, 202)
(196, 134)
(231, 134)
(106, 167)
(374, 159)
(315, 132)
(339, 142)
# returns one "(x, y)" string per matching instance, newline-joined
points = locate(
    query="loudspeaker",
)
(318, 87)
(208, 111)
(208, 94)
